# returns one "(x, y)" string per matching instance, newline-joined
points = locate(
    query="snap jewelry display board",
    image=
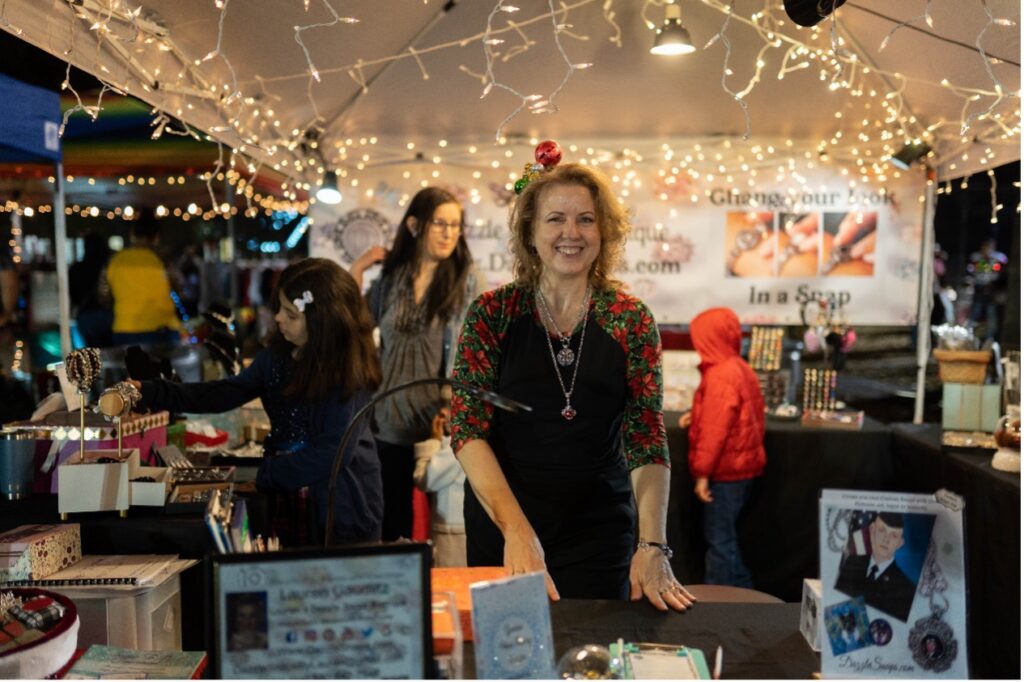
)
(893, 586)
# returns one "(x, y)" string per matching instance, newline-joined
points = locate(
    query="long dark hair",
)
(444, 297)
(339, 352)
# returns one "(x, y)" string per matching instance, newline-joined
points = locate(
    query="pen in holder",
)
(82, 367)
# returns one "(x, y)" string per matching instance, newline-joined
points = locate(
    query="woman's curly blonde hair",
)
(612, 221)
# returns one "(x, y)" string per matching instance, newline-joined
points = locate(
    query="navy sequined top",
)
(302, 442)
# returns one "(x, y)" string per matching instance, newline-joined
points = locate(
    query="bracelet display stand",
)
(116, 404)
(95, 480)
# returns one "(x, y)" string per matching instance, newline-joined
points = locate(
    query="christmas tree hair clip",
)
(546, 156)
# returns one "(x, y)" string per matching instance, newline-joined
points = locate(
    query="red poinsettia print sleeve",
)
(476, 364)
(631, 323)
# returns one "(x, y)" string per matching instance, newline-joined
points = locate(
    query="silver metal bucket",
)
(17, 455)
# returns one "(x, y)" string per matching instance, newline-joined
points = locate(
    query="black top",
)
(569, 477)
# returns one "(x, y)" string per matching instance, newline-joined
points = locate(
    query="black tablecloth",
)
(146, 530)
(991, 533)
(759, 641)
(779, 528)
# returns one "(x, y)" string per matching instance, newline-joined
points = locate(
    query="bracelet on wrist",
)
(662, 546)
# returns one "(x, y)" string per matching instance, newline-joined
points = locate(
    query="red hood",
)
(716, 335)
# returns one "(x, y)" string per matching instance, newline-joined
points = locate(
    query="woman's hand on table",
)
(524, 554)
(650, 575)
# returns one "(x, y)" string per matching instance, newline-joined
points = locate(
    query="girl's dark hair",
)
(339, 351)
(444, 297)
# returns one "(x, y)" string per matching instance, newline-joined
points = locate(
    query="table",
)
(759, 641)
(991, 531)
(778, 530)
(146, 530)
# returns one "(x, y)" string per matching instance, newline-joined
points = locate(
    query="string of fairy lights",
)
(257, 202)
(670, 172)
(872, 121)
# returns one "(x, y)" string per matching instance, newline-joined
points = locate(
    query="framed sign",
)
(361, 611)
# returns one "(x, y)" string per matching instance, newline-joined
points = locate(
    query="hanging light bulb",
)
(672, 38)
(328, 192)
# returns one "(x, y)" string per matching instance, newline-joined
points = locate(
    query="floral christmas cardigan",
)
(623, 317)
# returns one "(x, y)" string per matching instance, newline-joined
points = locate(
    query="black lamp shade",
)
(910, 153)
(808, 13)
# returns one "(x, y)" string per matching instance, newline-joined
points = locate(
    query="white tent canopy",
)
(411, 73)
(308, 86)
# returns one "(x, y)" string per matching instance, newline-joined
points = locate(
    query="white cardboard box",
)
(144, 618)
(91, 486)
(150, 494)
(810, 613)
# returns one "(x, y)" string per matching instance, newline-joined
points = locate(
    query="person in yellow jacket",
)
(144, 312)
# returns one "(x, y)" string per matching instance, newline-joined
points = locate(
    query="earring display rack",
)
(765, 354)
(819, 390)
(774, 387)
(821, 406)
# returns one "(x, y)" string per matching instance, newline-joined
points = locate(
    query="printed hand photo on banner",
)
(799, 246)
(746, 233)
(849, 241)
(883, 558)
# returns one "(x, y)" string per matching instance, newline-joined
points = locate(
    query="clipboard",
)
(651, 661)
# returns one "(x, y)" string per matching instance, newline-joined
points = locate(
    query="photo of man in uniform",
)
(247, 621)
(875, 575)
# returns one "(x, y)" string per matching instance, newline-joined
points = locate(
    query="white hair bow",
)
(300, 303)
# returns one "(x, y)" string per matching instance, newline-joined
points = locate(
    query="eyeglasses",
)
(438, 225)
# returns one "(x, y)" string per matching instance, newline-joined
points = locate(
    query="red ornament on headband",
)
(548, 153)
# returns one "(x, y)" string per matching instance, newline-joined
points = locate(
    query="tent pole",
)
(236, 295)
(924, 299)
(61, 253)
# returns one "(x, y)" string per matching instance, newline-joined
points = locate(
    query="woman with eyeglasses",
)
(419, 301)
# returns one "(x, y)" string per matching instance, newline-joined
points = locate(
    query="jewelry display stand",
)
(765, 357)
(94, 480)
(116, 404)
(820, 406)
(86, 484)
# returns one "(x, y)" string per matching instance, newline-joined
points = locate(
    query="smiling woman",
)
(553, 490)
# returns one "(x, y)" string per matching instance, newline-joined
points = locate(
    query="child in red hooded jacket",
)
(726, 440)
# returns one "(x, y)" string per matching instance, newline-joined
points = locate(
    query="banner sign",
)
(766, 252)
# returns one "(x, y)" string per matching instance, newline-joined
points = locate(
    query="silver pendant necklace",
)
(932, 642)
(565, 356)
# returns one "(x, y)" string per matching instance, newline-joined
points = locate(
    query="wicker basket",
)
(963, 366)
